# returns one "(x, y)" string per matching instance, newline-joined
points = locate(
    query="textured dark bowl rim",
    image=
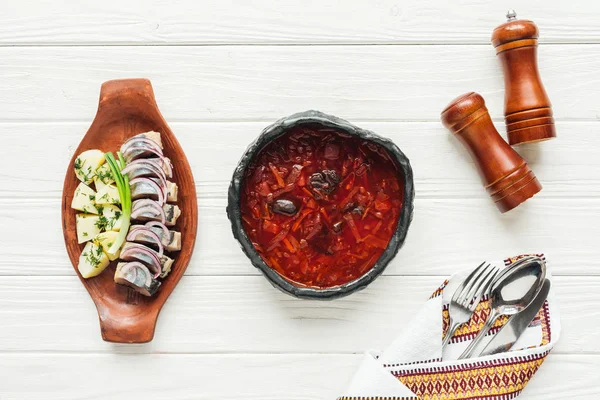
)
(234, 212)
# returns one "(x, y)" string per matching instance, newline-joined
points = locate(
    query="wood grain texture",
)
(222, 71)
(527, 108)
(439, 242)
(265, 83)
(127, 108)
(443, 169)
(505, 175)
(245, 314)
(274, 377)
(158, 22)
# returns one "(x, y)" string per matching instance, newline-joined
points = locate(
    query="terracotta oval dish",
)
(320, 206)
(127, 108)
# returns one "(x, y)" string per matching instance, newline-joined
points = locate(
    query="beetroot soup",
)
(320, 206)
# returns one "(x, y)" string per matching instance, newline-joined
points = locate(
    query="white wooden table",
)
(222, 70)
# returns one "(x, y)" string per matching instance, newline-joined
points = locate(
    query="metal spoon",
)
(512, 291)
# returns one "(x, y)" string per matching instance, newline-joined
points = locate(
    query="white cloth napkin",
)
(413, 366)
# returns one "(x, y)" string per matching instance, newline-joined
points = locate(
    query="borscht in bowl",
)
(321, 206)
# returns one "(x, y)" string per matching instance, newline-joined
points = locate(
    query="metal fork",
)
(467, 296)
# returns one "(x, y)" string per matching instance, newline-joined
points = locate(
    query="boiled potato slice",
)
(87, 163)
(113, 217)
(109, 194)
(92, 260)
(83, 200)
(106, 240)
(87, 227)
(103, 176)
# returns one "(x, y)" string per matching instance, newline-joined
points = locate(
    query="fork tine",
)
(460, 289)
(483, 287)
(458, 292)
(477, 283)
(472, 280)
(493, 275)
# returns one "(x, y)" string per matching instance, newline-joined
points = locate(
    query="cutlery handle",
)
(450, 332)
(486, 328)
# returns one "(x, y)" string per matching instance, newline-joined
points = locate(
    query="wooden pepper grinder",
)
(505, 175)
(527, 109)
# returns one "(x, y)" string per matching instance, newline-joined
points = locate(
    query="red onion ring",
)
(129, 155)
(166, 231)
(160, 174)
(143, 206)
(166, 164)
(142, 203)
(137, 265)
(140, 142)
(131, 236)
(159, 191)
(141, 163)
(133, 249)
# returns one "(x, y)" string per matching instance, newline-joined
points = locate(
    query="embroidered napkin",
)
(413, 366)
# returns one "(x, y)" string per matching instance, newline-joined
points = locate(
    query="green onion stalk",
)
(122, 181)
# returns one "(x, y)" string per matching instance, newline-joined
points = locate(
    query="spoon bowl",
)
(516, 287)
(511, 292)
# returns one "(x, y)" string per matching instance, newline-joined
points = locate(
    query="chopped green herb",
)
(105, 175)
(102, 222)
(94, 258)
(85, 234)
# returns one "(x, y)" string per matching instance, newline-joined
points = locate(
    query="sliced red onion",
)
(143, 164)
(142, 142)
(148, 213)
(147, 206)
(143, 203)
(168, 166)
(166, 231)
(133, 234)
(165, 164)
(159, 191)
(134, 251)
(134, 153)
(140, 164)
(132, 268)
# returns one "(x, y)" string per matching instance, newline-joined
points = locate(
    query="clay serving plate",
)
(127, 107)
(234, 211)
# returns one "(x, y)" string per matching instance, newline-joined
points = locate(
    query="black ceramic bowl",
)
(234, 211)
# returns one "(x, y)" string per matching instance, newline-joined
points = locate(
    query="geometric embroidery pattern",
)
(490, 380)
(503, 379)
(375, 398)
(479, 380)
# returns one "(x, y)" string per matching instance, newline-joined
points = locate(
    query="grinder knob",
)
(527, 109)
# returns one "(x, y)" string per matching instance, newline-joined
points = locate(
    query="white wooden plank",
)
(245, 314)
(266, 83)
(445, 235)
(277, 22)
(567, 167)
(264, 377)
